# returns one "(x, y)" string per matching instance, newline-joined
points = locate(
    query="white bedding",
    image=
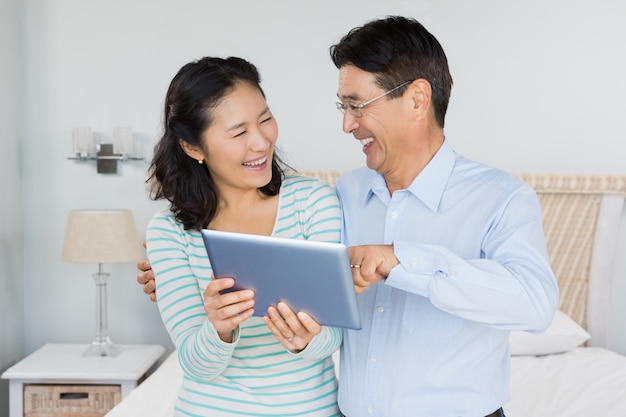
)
(155, 396)
(584, 382)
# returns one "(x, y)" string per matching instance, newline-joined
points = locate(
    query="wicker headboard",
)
(581, 217)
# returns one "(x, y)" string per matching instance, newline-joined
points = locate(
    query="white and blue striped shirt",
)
(255, 375)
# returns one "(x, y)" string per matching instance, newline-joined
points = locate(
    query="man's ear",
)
(421, 95)
(191, 150)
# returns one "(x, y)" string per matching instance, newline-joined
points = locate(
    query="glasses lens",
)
(353, 110)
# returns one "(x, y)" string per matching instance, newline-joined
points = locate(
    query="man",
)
(448, 254)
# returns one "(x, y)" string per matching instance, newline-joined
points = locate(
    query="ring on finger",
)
(289, 339)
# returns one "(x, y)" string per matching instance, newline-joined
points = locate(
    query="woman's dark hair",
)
(398, 49)
(198, 87)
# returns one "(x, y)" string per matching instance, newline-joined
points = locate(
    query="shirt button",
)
(453, 273)
(370, 409)
(381, 309)
(394, 215)
(373, 359)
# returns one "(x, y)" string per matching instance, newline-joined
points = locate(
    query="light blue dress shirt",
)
(473, 266)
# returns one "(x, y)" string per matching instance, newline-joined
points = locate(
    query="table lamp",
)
(101, 236)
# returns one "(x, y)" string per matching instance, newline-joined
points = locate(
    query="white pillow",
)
(563, 334)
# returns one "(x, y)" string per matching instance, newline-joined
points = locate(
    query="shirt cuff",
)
(416, 268)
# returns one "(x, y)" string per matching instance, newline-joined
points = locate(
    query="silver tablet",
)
(310, 276)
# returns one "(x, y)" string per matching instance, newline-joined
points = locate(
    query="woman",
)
(217, 167)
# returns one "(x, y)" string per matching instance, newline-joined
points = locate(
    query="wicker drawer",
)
(70, 400)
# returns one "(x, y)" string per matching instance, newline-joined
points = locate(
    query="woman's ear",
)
(191, 150)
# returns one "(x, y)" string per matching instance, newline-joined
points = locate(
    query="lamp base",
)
(102, 345)
(103, 349)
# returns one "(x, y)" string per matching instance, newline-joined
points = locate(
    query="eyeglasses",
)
(355, 109)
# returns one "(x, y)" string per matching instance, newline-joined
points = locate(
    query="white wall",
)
(11, 290)
(539, 88)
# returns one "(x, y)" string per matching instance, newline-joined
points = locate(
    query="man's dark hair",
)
(397, 49)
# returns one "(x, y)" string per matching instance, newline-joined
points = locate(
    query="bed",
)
(568, 371)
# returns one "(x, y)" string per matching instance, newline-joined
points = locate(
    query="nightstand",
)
(58, 379)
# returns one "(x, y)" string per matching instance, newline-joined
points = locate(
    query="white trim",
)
(601, 269)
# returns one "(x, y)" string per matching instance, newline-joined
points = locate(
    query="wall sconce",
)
(107, 154)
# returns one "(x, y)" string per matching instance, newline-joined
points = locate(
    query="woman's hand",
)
(226, 311)
(293, 331)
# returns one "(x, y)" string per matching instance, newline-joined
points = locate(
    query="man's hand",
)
(371, 264)
(146, 278)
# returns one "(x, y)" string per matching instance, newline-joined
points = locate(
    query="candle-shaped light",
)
(82, 139)
(123, 140)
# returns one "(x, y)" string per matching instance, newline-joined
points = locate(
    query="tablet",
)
(310, 276)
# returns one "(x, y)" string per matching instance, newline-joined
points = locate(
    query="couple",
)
(452, 252)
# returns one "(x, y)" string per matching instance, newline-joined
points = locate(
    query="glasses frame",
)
(356, 109)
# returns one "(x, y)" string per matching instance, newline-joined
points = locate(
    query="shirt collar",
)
(429, 184)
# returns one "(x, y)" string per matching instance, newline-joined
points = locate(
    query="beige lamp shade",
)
(101, 236)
